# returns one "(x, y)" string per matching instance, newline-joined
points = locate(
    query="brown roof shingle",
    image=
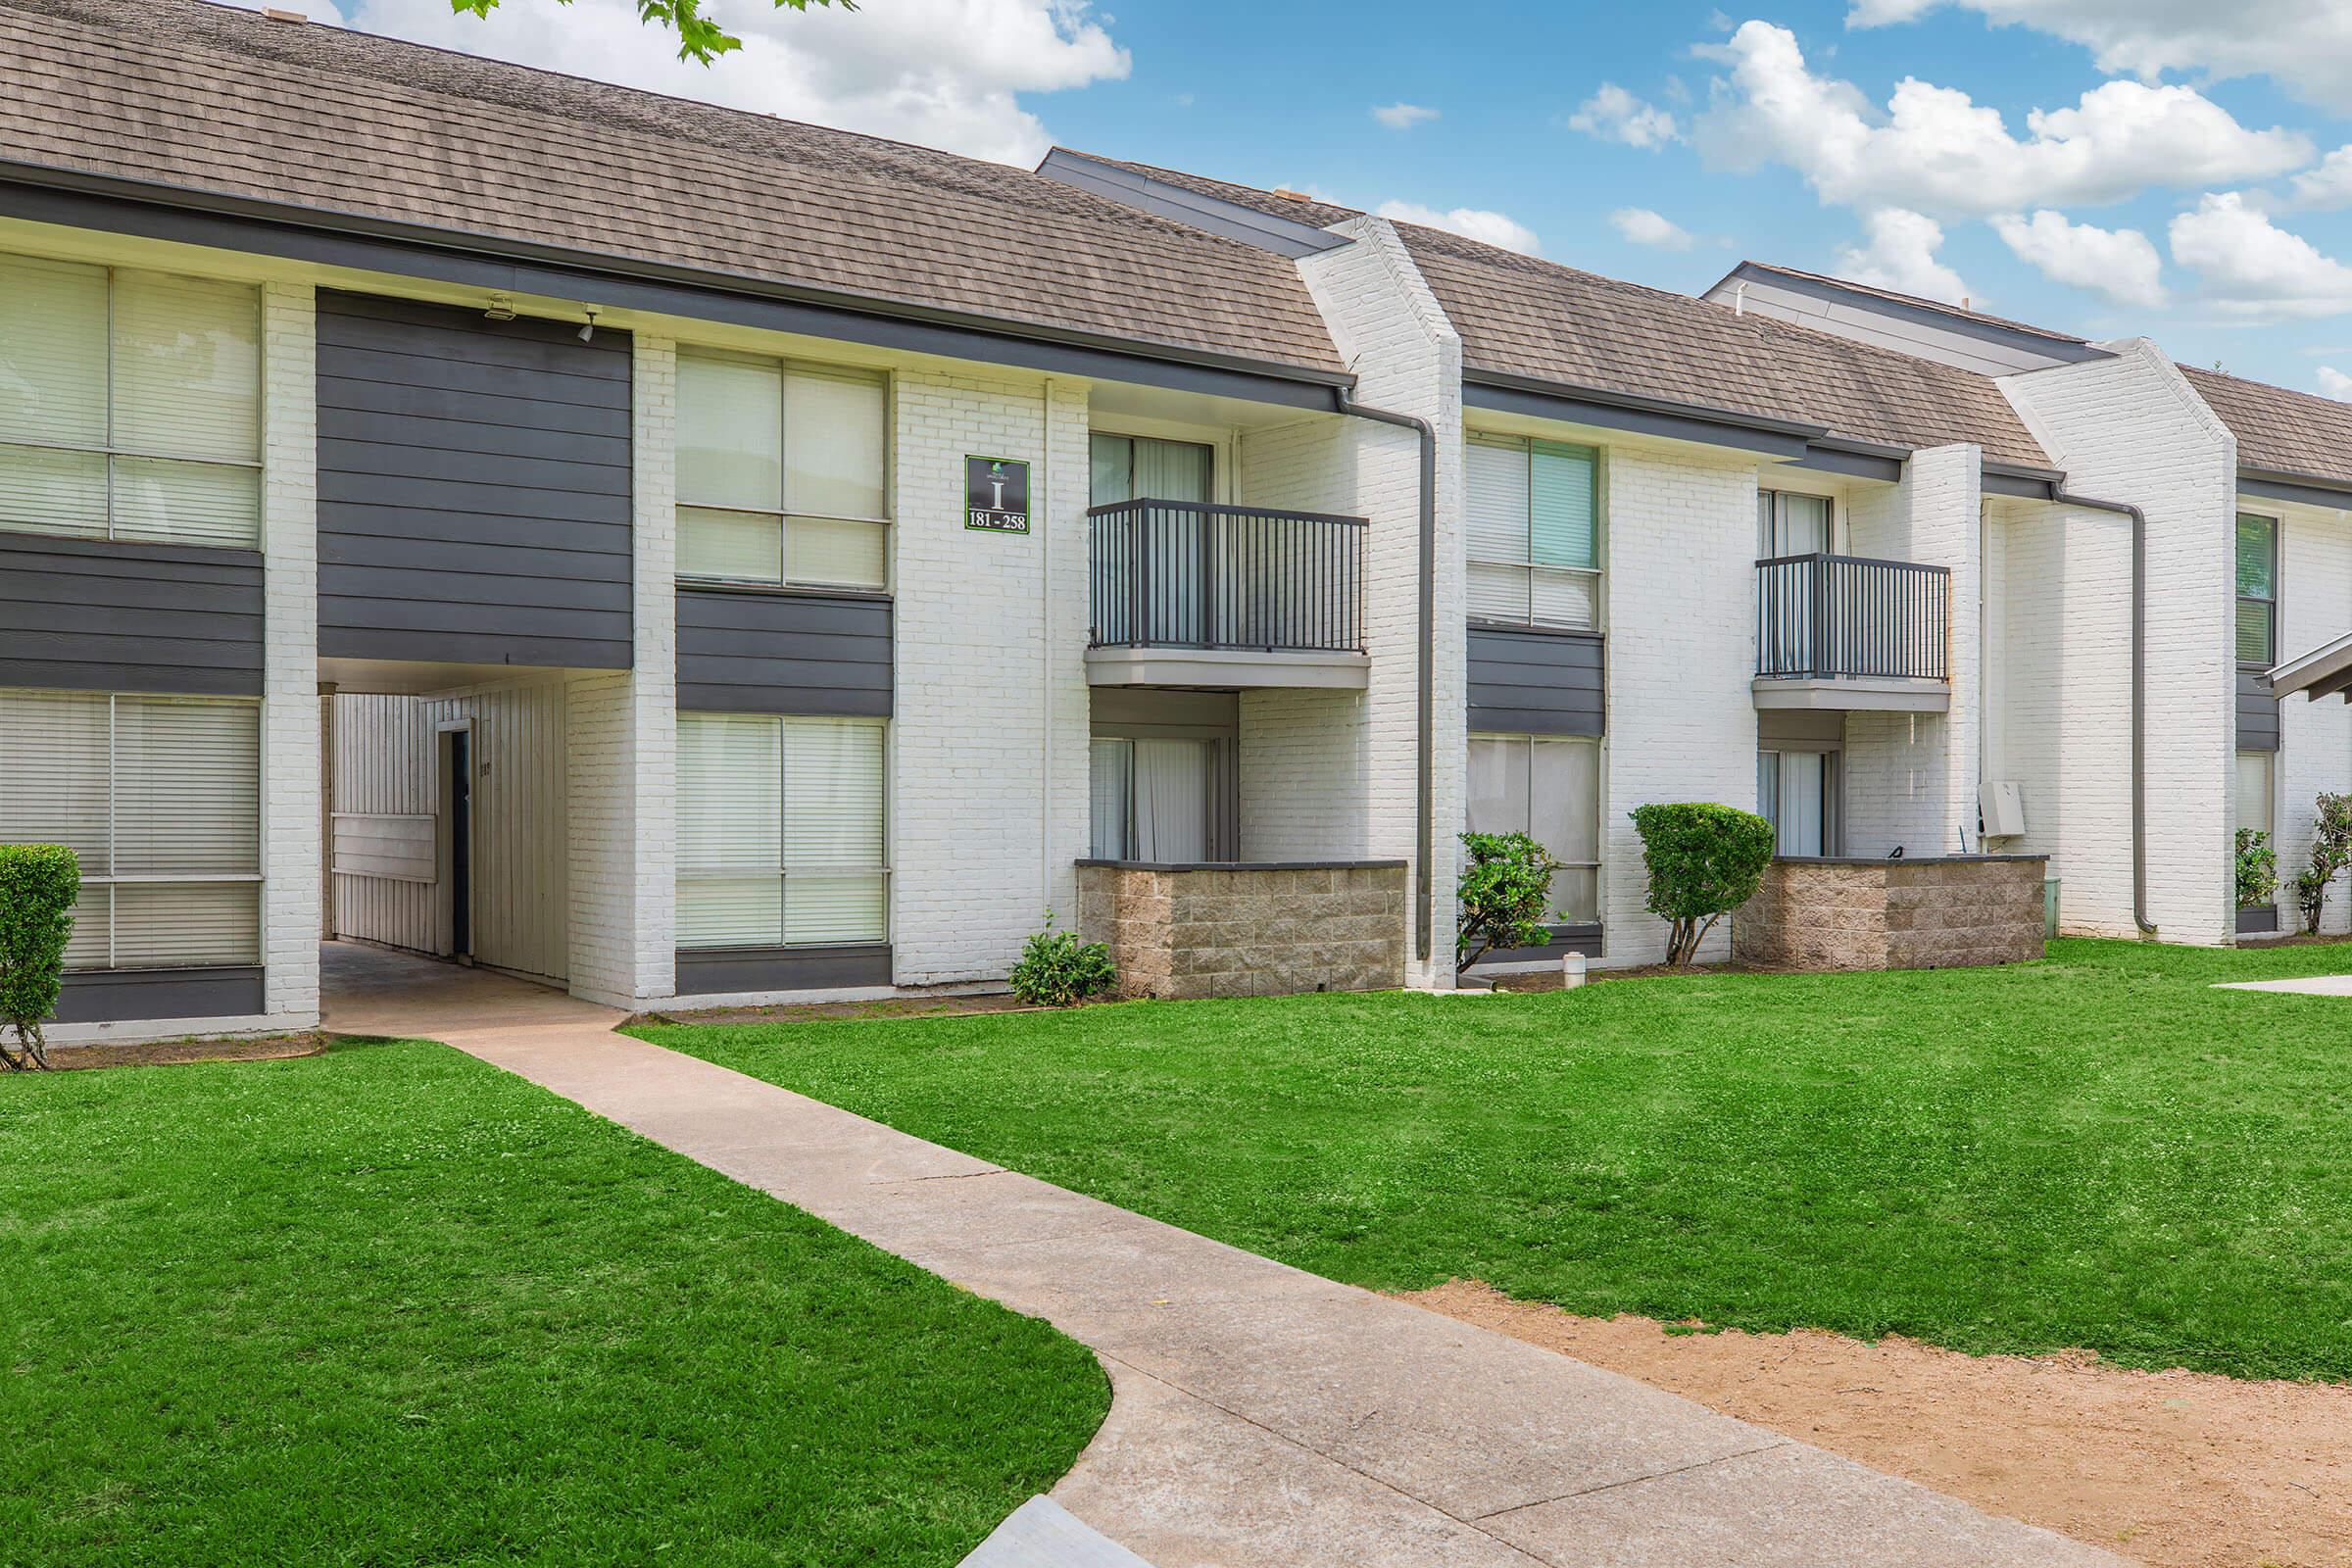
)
(2281, 431)
(224, 101)
(1522, 316)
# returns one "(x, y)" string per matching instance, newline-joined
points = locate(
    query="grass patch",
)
(389, 1305)
(2096, 1150)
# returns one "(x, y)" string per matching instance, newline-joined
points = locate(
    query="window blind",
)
(1532, 525)
(160, 799)
(780, 831)
(130, 404)
(1548, 789)
(783, 474)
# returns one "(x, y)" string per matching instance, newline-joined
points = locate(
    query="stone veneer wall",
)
(1179, 933)
(1938, 913)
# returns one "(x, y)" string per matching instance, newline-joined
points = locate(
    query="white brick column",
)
(622, 811)
(291, 744)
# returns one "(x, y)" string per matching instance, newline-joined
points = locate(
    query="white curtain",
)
(1110, 778)
(1792, 790)
(1172, 800)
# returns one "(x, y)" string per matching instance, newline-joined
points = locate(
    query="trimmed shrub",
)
(2257, 868)
(1705, 862)
(1059, 968)
(1501, 895)
(38, 886)
(2331, 853)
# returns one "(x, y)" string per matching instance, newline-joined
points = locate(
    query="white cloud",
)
(2334, 383)
(2326, 185)
(1638, 226)
(1471, 222)
(1902, 256)
(942, 72)
(1936, 150)
(2119, 262)
(1402, 116)
(2252, 267)
(1615, 115)
(2306, 44)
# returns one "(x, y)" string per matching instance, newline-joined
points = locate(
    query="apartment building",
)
(688, 557)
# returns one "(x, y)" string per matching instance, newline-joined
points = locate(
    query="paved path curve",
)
(1261, 1415)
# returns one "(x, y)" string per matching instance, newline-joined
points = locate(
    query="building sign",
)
(996, 495)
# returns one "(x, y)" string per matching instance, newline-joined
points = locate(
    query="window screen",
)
(129, 405)
(783, 472)
(160, 799)
(780, 831)
(2257, 590)
(1532, 525)
(1548, 789)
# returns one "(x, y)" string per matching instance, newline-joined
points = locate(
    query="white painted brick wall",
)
(2129, 429)
(2315, 606)
(622, 810)
(1407, 357)
(985, 833)
(291, 739)
(1679, 590)
(1911, 780)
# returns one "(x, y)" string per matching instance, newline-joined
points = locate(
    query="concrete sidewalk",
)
(1261, 1415)
(2318, 985)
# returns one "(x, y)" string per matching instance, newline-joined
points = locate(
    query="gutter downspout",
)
(2139, 694)
(1424, 846)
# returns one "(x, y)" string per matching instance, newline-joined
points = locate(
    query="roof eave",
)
(503, 263)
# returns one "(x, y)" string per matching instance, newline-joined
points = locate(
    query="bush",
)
(1060, 969)
(1501, 896)
(38, 886)
(2331, 853)
(1705, 862)
(2257, 868)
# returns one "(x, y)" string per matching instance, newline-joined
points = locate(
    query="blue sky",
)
(2174, 183)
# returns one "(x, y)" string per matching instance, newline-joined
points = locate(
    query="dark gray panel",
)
(784, 653)
(1535, 682)
(459, 458)
(2309, 489)
(1799, 725)
(2260, 921)
(2257, 714)
(1587, 939)
(130, 996)
(1840, 460)
(724, 971)
(102, 614)
(1715, 427)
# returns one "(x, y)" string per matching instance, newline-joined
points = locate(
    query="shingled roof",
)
(225, 101)
(2278, 429)
(1522, 316)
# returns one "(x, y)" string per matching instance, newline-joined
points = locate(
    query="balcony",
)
(1840, 632)
(1188, 593)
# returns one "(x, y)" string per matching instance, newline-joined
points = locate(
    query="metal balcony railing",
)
(1831, 617)
(1186, 575)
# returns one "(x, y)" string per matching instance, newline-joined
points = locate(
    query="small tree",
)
(2257, 868)
(1060, 968)
(1501, 896)
(2331, 853)
(1705, 862)
(38, 886)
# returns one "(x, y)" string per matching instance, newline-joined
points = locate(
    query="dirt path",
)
(2178, 1469)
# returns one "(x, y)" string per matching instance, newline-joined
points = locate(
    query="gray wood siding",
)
(473, 488)
(128, 996)
(102, 614)
(2257, 714)
(739, 972)
(783, 652)
(1526, 682)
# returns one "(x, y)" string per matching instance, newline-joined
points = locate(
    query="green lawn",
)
(2096, 1150)
(391, 1306)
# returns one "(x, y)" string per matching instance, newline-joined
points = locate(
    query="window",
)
(1789, 524)
(1135, 467)
(1796, 791)
(1534, 522)
(160, 799)
(2257, 590)
(2254, 791)
(782, 474)
(1548, 789)
(1153, 799)
(131, 405)
(780, 837)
